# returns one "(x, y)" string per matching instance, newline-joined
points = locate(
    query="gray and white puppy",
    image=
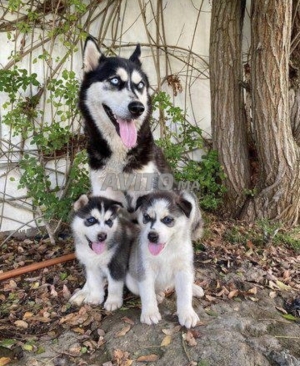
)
(162, 256)
(102, 242)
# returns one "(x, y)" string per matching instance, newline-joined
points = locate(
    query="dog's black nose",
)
(136, 108)
(153, 237)
(102, 236)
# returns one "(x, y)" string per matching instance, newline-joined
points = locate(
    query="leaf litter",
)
(35, 306)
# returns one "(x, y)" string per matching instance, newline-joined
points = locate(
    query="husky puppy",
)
(115, 103)
(102, 242)
(162, 256)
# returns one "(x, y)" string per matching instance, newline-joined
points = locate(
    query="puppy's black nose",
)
(102, 236)
(153, 237)
(136, 108)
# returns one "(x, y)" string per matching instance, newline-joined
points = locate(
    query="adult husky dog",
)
(162, 255)
(116, 106)
(115, 103)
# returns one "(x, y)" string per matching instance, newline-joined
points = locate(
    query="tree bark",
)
(278, 189)
(229, 131)
(295, 72)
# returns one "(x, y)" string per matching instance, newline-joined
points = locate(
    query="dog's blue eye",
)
(91, 221)
(146, 219)
(109, 222)
(140, 85)
(167, 220)
(115, 81)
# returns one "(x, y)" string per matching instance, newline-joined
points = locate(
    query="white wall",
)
(185, 30)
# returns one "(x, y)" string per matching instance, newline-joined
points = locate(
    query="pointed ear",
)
(91, 55)
(135, 57)
(140, 201)
(185, 206)
(81, 202)
(116, 206)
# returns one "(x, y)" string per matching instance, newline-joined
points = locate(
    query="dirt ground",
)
(248, 316)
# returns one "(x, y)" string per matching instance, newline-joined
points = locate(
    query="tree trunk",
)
(278, 189)
(227, 107)
(295, 72)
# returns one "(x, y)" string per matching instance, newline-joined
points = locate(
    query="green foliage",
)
(264, 233)
(46, 137)
(13, 80)
(181, 138)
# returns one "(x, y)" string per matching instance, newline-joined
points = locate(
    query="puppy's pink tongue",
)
(98, 247)
(155, 248)
(128, 132)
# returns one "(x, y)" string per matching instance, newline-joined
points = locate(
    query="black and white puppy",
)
(102, 242)
(162, 256)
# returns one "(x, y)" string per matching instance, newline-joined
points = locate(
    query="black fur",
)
(174, 199)
(98, 149)
(96, 202)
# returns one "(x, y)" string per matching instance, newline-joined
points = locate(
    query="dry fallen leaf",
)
(283, 286)
(171, 331)
(233, 293)
(189, 338)
(252, 290)
(27, 315)
(4, 361)
(281, 309)
(75, 318)
(123, 331)
(122, 358)
(210, 298)
(272, 294)
(78, 330)
(75, 349)
(21, 324)
(166, 341)
(66, 292)
(128, 320)
(148, 358)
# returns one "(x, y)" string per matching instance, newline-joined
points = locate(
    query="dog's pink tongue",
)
(155, 248)
(128, 132)
(98, 247)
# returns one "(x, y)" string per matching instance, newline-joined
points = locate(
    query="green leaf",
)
(290, 317)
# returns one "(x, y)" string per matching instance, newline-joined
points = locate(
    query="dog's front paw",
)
(188, 318)
(151, 316)
(113, 304)
(83, 296)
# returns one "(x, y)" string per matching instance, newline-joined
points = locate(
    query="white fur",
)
(96, 266)
(172, 267)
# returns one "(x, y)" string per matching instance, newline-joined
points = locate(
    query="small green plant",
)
(47, 138)
(264, 233)
(180, 140)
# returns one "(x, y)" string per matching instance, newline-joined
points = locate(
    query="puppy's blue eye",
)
(146, 218)
(109, 222)
(91, 221)
(115, 81)
(140, 85)
(167, 220)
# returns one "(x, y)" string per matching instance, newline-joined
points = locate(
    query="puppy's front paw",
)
(188, 318)
(113, 304)
(84, 296)
(151, 316)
